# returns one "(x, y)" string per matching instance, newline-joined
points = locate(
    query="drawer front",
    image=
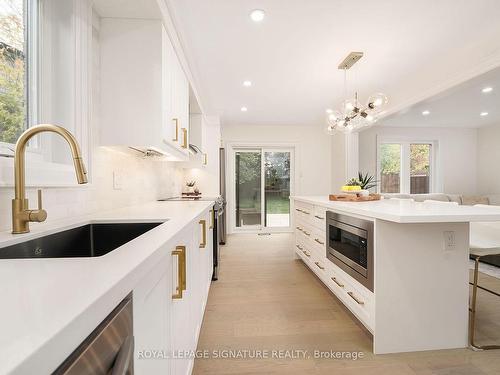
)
(319, 218)
(304, 211)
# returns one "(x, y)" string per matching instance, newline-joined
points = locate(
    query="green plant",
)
(353, 182)
(366, 181)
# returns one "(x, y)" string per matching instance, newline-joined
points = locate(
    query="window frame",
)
(39, 172)
(405, 173)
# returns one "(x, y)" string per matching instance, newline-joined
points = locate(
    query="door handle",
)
(203, 243)
(124, 357)
(176, 120)
(180, 252)
(212, 218)
(184, 138)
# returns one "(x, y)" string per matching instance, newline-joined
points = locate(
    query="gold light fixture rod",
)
(350, 60)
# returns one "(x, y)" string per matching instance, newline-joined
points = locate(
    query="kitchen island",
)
(417, 255)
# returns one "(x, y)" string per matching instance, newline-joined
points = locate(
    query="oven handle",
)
(349, 228)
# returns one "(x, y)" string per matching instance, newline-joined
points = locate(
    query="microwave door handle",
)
(124, 357)
(349, 228)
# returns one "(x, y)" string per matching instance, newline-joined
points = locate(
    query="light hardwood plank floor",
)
(267, 300)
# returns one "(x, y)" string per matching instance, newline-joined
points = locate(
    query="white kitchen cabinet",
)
(171, 324)
(152, 317)
(144, 91)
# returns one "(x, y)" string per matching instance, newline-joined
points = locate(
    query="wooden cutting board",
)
(354, 197)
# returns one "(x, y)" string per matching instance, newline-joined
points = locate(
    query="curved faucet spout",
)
(21, 215)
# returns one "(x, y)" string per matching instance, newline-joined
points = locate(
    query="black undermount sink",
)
(91, 240)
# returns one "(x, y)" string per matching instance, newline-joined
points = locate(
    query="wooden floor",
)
(266, 300)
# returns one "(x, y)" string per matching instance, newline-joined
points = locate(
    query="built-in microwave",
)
(350, 246)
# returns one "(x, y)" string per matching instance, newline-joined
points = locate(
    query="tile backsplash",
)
(142, 180)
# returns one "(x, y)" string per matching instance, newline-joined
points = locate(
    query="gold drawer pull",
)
(306, 253)
(203, 243)
(306, 233)
(176, 138)
(299, 247)
(337, 282)
(319, 266)
(299, 228)
(319, 217)
(212, 219)
(318, 241)
(184, 138)
(298, 209)
(358, 301)
(180, 251)
(305, 212)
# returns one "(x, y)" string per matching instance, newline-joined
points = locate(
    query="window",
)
(16, 70)
(406, 167)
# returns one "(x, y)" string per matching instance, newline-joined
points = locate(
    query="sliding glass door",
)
(262, 182)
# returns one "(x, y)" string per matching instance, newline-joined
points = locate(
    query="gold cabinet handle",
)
(299, 247)
(203, 243)
(306, 253)
(305, 212)
(319, 266)
(358, 301)
(318, 241)
(319, 217)
(176, 121)
(298, 209)
(184, 138)
(205, 159)
(299, 228)
(337, 282)
(180, 252)
(212, 219)
(306, 233)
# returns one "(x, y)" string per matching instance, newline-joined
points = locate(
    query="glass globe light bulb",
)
(330, 130)
(377, 100)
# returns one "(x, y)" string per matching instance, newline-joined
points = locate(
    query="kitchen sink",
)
(91, 240)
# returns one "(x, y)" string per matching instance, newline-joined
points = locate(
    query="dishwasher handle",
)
(124, 357)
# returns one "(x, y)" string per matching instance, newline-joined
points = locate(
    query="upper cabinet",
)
(144, 91)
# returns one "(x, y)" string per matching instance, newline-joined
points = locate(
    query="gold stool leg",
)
(473, 312)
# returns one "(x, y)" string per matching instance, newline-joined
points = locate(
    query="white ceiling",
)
(411, 48)
(459, 106)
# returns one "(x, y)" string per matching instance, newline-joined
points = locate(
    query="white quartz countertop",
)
(49, 306)
(407, 211)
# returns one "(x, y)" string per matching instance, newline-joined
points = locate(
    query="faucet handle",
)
(40, 214)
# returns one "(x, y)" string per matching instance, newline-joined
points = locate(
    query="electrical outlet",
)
(117, 180)
(449, 240)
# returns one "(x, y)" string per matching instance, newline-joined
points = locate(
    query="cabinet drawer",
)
(319, 218)
(304, 211)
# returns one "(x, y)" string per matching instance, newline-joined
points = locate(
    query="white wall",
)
(488, 160)
(312, 151)
(456, 159)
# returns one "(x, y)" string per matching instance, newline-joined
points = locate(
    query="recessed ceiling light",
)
(329, 111)
(487, 90)
(244, 109)
(247, 83)
(483, 114)
(426, 113)
(257, 15)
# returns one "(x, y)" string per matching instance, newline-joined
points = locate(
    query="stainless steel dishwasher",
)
(108, 350)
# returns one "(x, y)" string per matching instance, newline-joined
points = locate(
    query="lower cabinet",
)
(170, 301)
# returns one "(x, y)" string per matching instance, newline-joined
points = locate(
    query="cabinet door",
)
(181, 321)
(152, 319)
(170, 129)
(180, 104)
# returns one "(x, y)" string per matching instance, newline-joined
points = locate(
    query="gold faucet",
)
(21, 214)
